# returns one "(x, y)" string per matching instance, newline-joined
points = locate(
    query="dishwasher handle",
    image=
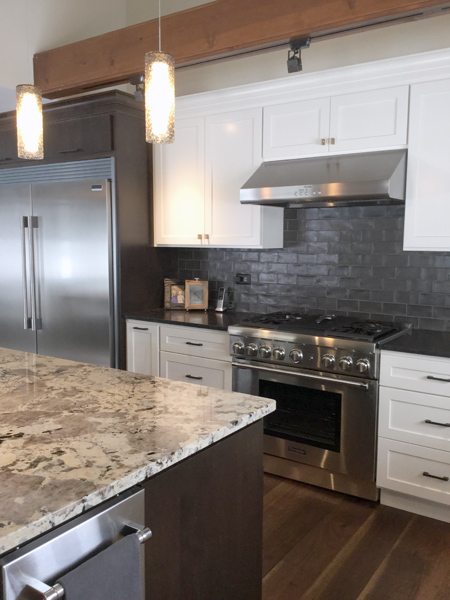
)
(56, 592)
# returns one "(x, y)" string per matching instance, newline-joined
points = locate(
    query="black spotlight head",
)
(294, 63)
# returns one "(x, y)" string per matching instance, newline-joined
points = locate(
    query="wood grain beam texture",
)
(221, 28)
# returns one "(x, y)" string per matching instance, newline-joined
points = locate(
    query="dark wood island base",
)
(206, 517)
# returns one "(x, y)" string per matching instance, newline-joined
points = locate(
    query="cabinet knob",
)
(199, 236)
(206, 236)
(333, 141)
(322, 141)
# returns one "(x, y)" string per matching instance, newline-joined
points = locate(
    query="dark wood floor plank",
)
(320, 545)
(413, 567)
(290, 512)
(304, 564)
(347, 578)
(271, 482)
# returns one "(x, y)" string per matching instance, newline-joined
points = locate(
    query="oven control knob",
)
(279, 353)
(238, 348)
(251, 350)
(296, 356)
(265, 352)
(346, 363)
(328, 360)
(363, 365)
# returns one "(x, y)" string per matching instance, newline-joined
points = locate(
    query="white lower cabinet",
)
(190, 354)
(143, 347)
(413, 467)
(191, 369)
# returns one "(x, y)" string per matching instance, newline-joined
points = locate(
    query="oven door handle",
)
(307, 375)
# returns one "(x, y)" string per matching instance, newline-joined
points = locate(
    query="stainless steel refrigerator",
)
(57, 261)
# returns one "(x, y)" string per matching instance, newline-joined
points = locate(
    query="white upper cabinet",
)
(180, 186)
(233, 153)
(427, 211)
(197, 184)
(296, 129)
(369, 120)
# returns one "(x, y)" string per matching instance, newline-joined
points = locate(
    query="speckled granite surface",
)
(73, 435)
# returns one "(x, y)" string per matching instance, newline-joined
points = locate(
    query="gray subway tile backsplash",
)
(347, 260)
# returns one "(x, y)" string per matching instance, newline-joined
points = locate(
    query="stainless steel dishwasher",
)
(31, 571)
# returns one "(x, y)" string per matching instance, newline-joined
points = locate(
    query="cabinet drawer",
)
(405, 416)
(190, 369)
(417, 373)
(195, 342)
(401, 468)
(77, 137)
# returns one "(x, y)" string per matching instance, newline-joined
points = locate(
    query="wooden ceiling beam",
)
(221, 28)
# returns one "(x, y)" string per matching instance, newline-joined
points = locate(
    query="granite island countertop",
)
(73, 435)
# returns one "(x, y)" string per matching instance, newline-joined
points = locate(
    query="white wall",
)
(385, 42)
(30, 26)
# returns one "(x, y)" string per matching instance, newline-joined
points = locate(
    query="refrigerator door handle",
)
(35, 322)
(26, 318)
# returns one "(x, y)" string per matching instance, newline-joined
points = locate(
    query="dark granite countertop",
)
(208, 320)
(421, 341)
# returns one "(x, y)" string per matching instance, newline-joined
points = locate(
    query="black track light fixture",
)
(294, 61)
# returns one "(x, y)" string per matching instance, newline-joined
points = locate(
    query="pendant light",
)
(30, 141)
(159, 95)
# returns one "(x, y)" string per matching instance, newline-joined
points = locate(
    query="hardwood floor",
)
(321, 545)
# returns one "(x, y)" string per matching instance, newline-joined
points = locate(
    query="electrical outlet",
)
(243, 279)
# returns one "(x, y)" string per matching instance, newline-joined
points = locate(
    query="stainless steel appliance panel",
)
(72, 245)
(357, 419)
(15, 298)
(37, 565)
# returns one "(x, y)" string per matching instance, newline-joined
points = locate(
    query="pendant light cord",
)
(159, 23)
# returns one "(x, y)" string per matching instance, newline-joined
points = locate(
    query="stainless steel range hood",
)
(350, 179)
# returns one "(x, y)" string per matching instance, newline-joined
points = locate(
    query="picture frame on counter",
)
(196, 294)
(174, 294)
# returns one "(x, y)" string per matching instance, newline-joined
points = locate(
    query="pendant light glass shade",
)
(159, 98)
(30, 141)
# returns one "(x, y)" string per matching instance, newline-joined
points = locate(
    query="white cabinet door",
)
(179, 185)
(143, 347)
(296, 129)
(427, 210)
(369, 120)
(233, 153)
(191, 369)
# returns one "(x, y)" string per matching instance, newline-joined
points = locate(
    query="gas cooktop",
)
(350, 328)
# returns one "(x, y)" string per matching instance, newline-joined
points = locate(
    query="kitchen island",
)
(74, 435)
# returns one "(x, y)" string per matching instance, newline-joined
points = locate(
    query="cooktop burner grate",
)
(325, 325)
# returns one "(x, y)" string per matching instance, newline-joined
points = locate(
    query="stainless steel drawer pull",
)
(141, 328)
(57, 591)
(426, 474)
(430, 422)
(193, 344)
(194, 377)
(446, 380)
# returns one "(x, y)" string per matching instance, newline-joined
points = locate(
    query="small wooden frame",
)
(174, 294)
(196, 294)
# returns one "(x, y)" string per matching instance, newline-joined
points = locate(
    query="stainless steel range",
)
(323, 372)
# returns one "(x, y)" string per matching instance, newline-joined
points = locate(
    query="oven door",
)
(323, 420)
